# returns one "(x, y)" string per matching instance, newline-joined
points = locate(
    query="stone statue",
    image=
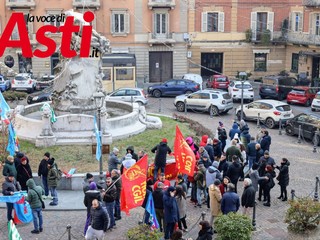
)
(46, 120)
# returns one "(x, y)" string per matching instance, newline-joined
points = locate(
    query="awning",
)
(261, 50)
(309, 53)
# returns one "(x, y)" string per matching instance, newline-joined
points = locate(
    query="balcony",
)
(155, 38)
(311, 3)
(161, 4)
(303, 39)
(29, 4)
(95, 4)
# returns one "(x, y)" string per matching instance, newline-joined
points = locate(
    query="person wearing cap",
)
(248, 197)
(10, 186)
(9, 167)
(235, 129)
(24, 173)
(230, 200)
(88, 179)
(171, 211)
(17, 158)
(53, 181)
(215, 200)
(265, 141)
(114, 161)
(43, 173)
(161, 150)
(162, 178)
(157, 195)
(127, 163)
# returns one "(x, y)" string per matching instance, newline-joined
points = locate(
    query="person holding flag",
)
(8, 188)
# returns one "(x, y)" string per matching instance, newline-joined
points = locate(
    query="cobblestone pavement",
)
(305, 166)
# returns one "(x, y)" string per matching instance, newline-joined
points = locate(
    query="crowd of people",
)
(218, 170)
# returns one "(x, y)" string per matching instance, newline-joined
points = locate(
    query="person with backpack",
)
(53, 181)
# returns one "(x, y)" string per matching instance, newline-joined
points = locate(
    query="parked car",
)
(218, 81)
(213, 101)
(309, 124)
(302, 95)
(23, 82)
(235, 90)
(128, 94)
(44, 82)
(42, 96)
(194, 77)
(271, 112)
(276, 87)
(316, 102)
(173, 87)
(5, 83)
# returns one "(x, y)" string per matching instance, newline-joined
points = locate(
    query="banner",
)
(13, 143)
(185, 158)
(13, 233)
(4, 109)
(134, 185)
(150, 209)
(98, 139)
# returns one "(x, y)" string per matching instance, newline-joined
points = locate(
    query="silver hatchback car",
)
(212, 101)
(129, 94)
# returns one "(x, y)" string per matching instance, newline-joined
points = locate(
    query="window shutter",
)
(112, 23)
(254, 25)
(221, 22)
(300, 22)
(127, 23)
(167, 24)
(270, 23)
(291, 22)
(204, 22)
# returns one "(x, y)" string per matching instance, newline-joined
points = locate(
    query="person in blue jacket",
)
(230, 201)
(171, 211)
(235, 129)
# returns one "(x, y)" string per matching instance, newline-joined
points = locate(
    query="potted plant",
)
(143, 232)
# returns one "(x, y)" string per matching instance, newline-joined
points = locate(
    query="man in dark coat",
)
(251, 152)
(265, 141)
(245, 135)
(99, 221)
(234, 171)
(230, 200)
(9, 167)
(283, 178)
(248, 197)
(171, 211)
(117, 182)
(209, 148)
(161, 151)
(8, 188)
(259, 153)
(24, 173)
(114, 161)
(43, 173)
(235, 129)
(157, 195)
(233, 150)
(109, 197)
(217, 149)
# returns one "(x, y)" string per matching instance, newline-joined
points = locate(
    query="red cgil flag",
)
(134, 185)
(185, 158)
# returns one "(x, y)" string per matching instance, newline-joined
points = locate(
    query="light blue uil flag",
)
(98, 139)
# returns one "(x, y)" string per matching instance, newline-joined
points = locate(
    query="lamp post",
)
(243, 76)
(99, 100)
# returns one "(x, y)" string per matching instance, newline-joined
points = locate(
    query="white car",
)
(315, 105)
(194, 77)
(235, 90)
(23, 82)
(129, 94)
(271, 112)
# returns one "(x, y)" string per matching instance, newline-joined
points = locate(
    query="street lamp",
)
(243, 76)
(99, 100)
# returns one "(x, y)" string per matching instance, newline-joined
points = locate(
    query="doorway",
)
(160, 66)
(212, 64)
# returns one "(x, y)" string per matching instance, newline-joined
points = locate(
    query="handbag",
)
(42, 202)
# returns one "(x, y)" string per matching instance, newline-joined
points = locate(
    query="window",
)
(260, 62)
(317, 23)
(120, 22)
(205, 96)
(214, 96)
(296, 21)
(160, 23)
(132, 93)
(295, 63)
(170, 83)
(195, 96)
(212, 22)
(182, 83)
(261, 21)
(55, 13)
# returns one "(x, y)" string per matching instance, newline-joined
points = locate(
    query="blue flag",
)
(150, 209)
(4, 109)
(12, 144)
(98, 139)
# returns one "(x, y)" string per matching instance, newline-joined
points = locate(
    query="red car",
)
(302, 95)
(218, 81)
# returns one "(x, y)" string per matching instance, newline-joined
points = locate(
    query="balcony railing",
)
(161, 3)
(155, 38)
(311, 3)
(10, 4)
(86, 3)
(304, 39)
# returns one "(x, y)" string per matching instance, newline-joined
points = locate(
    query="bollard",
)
(280, 123)
(203, 216)
(316, 194)
(69, 231)
(159, 104)
(292, 194)
(254, 216)
(299, 134)
(258, 121)
(315, 141)
(185, 106)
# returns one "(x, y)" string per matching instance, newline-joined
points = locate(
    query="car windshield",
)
(226, 96)
(245, 86)
(221, 79)
(298, 91)
(317, 96)
(269, 81)
(20, 78)
(283, 108)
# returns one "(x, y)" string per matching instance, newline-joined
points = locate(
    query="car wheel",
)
(180, 106)
(214, 111)
(270, 123)
(313, 109)
(188, 92)
(308, 103)
(289, 130)
(156, 93)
